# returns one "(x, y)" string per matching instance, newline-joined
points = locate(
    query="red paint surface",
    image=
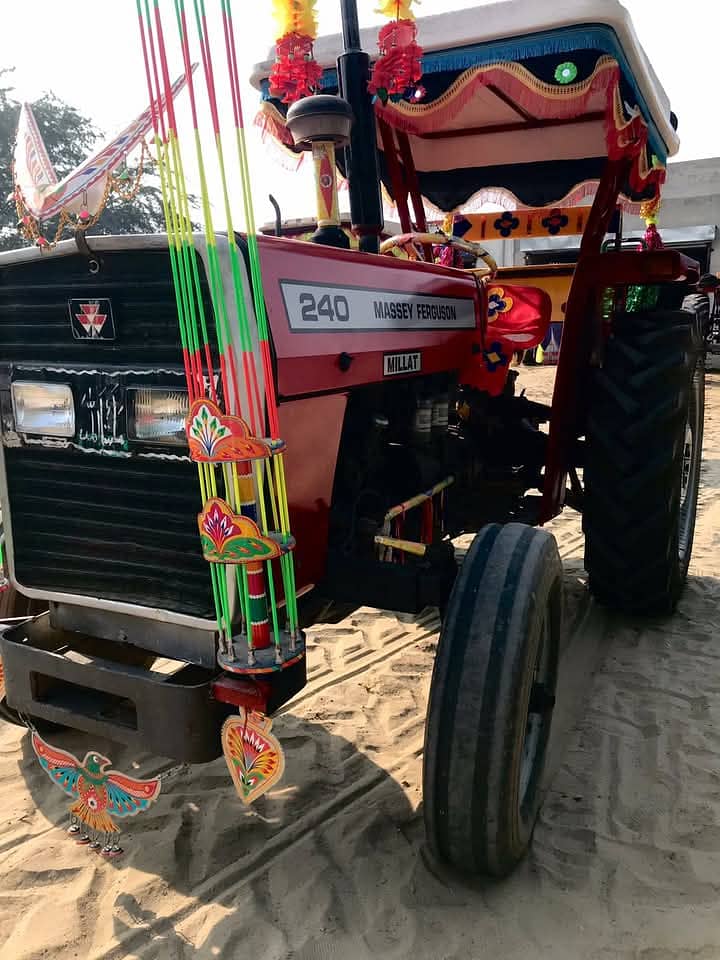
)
(251, 694)
(312, 428)
(308, 362)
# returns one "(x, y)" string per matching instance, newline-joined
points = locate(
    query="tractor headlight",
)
(43, 409)
(157, 415)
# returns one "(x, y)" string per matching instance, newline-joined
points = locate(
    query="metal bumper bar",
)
(113, 690)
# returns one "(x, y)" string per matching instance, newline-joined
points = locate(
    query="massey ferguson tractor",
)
(371, 388)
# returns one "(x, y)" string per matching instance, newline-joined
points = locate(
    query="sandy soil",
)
(626, 856)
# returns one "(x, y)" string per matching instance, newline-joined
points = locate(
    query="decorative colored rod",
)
(246, 531)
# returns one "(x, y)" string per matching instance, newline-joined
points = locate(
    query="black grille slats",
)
(35, 320)
(121, 529)
(111, 527)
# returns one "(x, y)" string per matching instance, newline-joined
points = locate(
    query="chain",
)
(173, 772)
(29, 225)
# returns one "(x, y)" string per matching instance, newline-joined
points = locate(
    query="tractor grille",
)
(35, 320)
(108, 527)
(114, 528)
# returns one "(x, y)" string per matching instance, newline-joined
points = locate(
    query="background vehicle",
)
(401, 422)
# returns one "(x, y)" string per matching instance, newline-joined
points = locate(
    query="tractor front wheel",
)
(644, 450)
(491, 700)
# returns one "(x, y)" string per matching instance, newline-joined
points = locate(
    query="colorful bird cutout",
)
(99, 794)
(254, 756)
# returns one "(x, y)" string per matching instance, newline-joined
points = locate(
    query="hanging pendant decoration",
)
(649, 211)
(295, 73)
(99, 794)
(397, 71)
(254, 756)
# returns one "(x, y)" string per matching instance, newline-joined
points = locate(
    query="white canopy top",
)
(519, 20)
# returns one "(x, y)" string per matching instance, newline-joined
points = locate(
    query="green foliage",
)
(69, 138)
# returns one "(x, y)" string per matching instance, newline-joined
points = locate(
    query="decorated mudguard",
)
(99, 794)
(518, 318)
(254, 756)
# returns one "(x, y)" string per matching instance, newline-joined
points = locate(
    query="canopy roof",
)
(522, 98)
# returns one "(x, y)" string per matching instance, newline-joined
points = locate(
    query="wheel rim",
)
(690, 466)
(540, 706)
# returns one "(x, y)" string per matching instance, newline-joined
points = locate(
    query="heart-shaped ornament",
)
(254, 756)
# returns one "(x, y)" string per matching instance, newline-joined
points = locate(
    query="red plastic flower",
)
(295, 73)
(398, 69)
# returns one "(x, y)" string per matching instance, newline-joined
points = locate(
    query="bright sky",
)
(87, 52)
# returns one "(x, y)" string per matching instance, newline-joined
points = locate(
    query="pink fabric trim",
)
(514, 81)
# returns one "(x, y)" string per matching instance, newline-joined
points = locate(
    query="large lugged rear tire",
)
(699, 304)
(642, 471)
(491, 700)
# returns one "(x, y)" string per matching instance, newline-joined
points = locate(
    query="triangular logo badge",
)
(92, 319)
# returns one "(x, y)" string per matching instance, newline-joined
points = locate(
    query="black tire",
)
(642, 472)
(490, 709)
(699, 305)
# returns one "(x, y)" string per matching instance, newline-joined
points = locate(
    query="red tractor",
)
(396, 400)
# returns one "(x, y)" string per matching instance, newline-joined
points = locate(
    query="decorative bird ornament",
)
(99, 794)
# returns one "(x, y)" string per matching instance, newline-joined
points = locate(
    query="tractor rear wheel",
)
(642, 471)
(699, 304)
(491, 700)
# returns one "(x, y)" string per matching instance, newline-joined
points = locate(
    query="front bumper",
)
(113, 690)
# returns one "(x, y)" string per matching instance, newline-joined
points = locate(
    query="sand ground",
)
(625, 860)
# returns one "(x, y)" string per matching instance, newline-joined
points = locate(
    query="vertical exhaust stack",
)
(361, 154)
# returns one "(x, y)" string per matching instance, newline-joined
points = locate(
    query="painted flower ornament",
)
(498, 302)
(555, 222)
(229, 537)
(495, 356)
(215, 437)
(506, 224)
(254, 756)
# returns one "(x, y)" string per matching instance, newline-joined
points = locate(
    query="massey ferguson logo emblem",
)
(92, 319)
